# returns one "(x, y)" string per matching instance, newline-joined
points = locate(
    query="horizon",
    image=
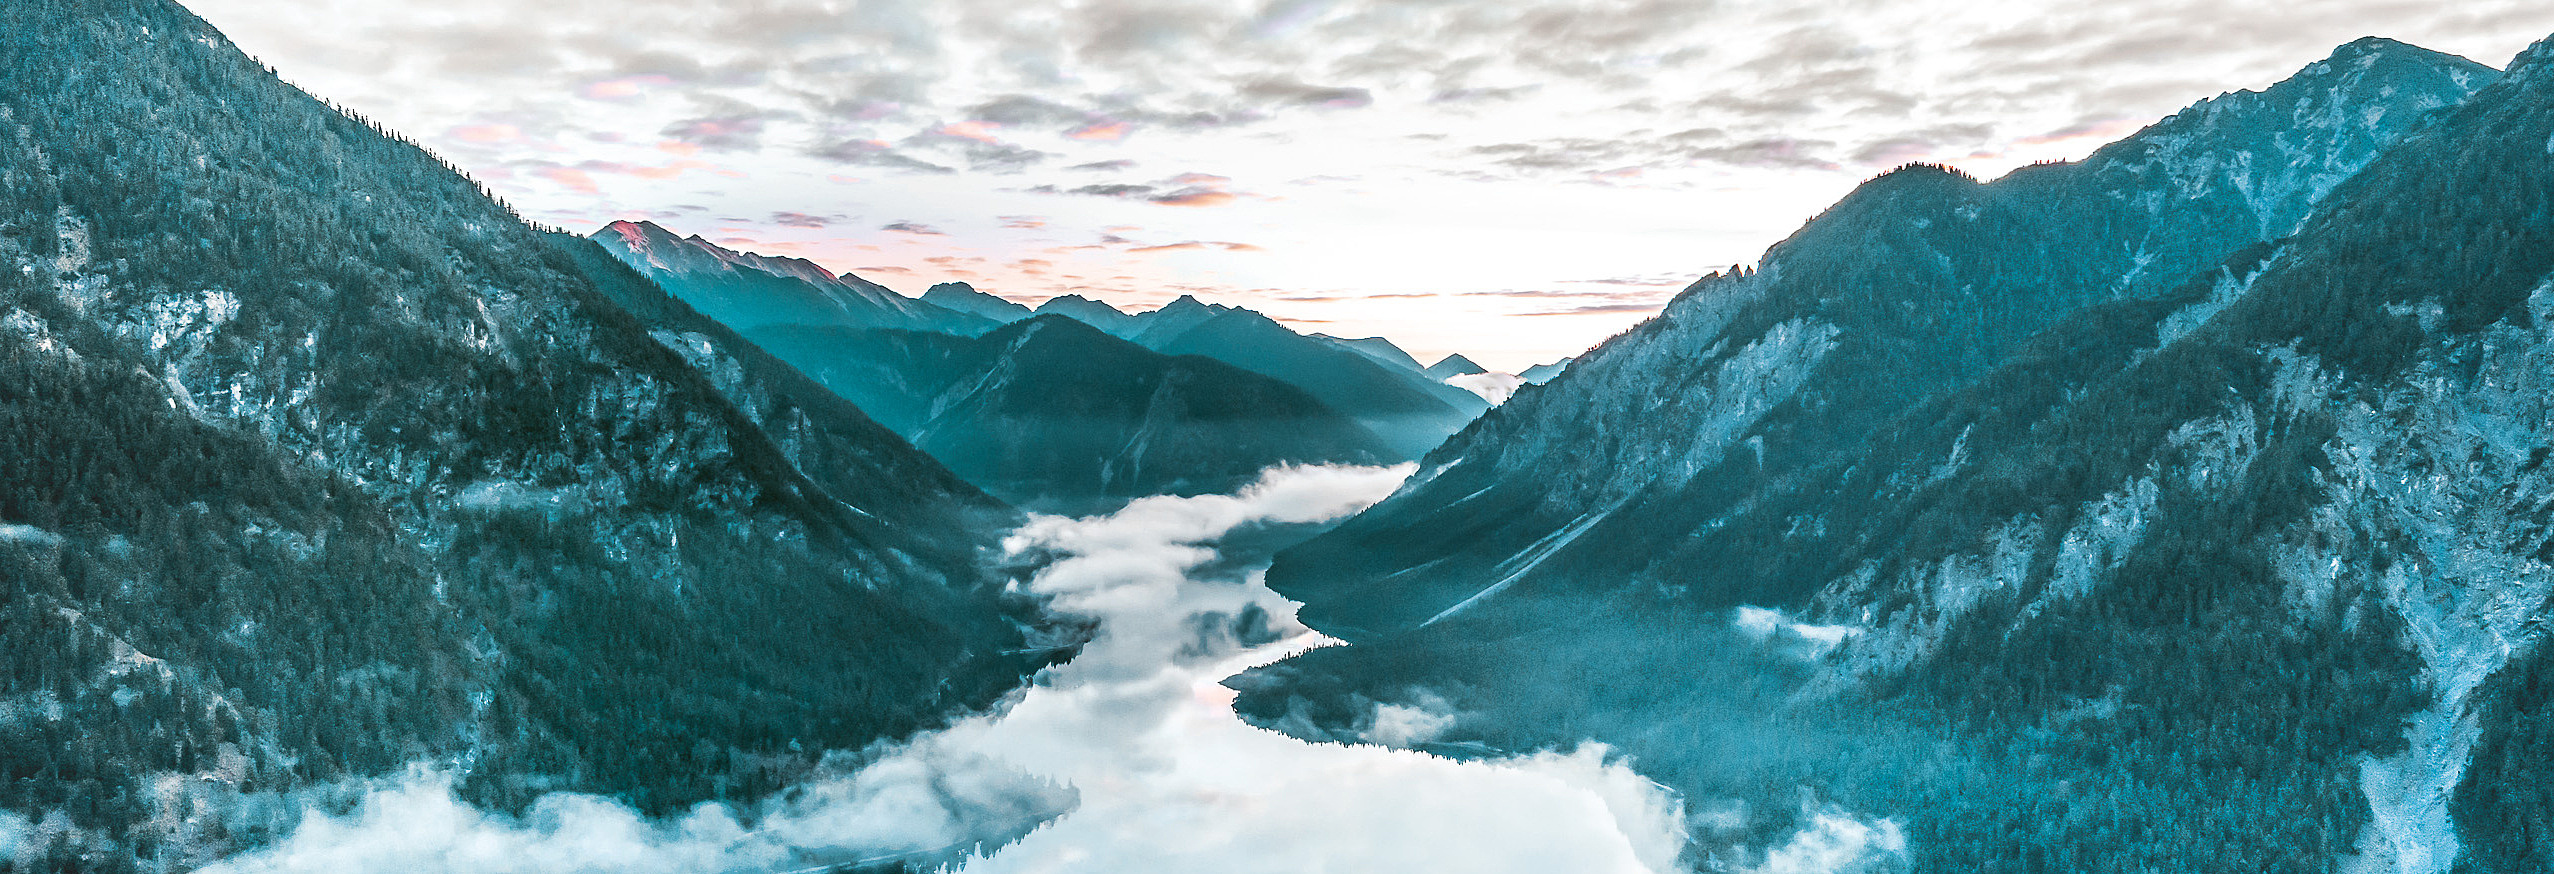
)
(1368, 168)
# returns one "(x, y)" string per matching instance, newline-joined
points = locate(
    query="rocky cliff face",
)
(324, 464)
(2091, 573)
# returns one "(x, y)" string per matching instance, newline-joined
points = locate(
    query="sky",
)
(1510, 179)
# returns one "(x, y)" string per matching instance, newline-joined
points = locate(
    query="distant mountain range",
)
(1053, 411)
(1002, 423)
(2181, 508)
(746, 291)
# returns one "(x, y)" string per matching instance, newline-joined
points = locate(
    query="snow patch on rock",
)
(2442, 475)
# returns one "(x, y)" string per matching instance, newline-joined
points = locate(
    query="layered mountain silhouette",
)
(1327, 400)
(746, 291)
(2077, 520)
(1053, 411)
(963, 298)
(1383, 351)
(1411, 412)
(322, 464)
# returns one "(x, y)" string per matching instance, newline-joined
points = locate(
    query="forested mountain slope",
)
(2244, 572)
(1913, 284)
(323, 463)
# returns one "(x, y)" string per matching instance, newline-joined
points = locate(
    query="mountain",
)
(964, 298)
(744, 290)
(1411, 412)
(323, 464)
(1093, 313)
(772, 300)
(1543, 373)
(1797, 362)
(1381, 350)
(1160, 327)
(1053, 413)
(2108, 538)
(1453, 366)
(829, 439)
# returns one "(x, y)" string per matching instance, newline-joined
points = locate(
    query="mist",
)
(1129, 758)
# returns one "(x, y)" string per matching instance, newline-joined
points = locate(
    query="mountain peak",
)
(2372, 45)
(641, 235)
(963, 297)
(2370, 51)
(1074, 304)
(1381, 350)
(627, 228)
(1097, 314)
(1455, 365)
(695, 254)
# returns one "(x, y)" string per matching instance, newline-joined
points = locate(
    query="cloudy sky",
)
(1513, 179)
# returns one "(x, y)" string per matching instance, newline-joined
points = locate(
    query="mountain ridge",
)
(1023, 410)
(2176, 557)
(1778, 356)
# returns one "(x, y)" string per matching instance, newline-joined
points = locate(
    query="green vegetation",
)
(322, 463)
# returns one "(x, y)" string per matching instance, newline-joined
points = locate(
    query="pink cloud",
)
(1100, 131)
(1194, 245)
(672, 170)
(1201, 197)
(574, 179)
(487, 133)
(979, 131)
(623, 87)
(2104, 130)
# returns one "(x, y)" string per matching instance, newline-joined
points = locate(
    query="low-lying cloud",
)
(1128, 758)
(1800, 640)
(1835, 842)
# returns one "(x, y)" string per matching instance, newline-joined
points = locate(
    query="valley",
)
(2182, 506)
